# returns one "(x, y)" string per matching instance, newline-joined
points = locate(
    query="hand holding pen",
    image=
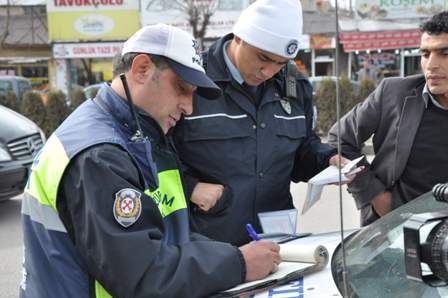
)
(261, 257)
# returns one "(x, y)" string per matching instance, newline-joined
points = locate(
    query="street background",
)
(322, 217)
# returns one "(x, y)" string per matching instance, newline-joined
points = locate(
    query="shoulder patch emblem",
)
(286, 105)
(127, 206)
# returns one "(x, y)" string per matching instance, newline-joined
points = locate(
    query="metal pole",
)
(338, 117)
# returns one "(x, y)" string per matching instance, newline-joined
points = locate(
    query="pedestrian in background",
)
(407, 119)
(368, 71)
(104, 211)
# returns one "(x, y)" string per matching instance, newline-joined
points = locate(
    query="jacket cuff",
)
(189, 184)
(243, 266)
(365, 187)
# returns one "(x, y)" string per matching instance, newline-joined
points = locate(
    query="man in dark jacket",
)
(242, 151)
(408, 120)
(104, 211)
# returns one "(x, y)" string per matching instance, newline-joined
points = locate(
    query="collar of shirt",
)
(232, 68)
(122, 114)
(428, 96)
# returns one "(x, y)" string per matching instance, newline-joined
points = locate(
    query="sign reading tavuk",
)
(92, 20)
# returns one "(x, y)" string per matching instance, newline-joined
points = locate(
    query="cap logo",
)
(197, 58)
(127, 206)
(292, 46)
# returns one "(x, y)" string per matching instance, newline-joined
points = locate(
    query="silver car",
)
(20, 140)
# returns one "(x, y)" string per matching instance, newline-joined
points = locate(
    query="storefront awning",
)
(362, 41)
(22, 60)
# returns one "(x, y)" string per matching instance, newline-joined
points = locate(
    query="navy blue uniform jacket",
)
(255, 150)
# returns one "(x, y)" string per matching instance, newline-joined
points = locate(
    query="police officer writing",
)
(242, 151)
(104, 211)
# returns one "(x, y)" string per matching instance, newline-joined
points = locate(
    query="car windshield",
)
(375, 260)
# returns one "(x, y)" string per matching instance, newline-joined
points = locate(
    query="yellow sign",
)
(95, 25)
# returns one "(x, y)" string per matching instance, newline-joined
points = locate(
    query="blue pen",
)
(250, 229)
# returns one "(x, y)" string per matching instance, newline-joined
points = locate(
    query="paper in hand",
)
(328, 176)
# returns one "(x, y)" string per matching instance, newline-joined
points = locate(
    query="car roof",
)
(10, 78)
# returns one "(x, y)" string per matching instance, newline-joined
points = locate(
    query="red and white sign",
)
(359, 41)
(86, 50)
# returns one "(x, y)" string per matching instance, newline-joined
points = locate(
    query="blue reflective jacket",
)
(74, 247)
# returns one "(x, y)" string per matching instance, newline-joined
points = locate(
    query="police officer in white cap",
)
(242, 151)
(104, 212)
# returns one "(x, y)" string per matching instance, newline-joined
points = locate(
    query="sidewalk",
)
(324, 216)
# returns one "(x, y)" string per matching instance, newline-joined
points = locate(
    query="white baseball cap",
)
(180, 50)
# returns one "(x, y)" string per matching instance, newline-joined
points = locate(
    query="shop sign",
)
(89, 5)
(318, 41)
(358, 41)
(398, 9)
(86, 50)
(225, 14)
(94, 24)
(92, 20)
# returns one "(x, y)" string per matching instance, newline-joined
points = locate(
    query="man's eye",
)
(424, 54)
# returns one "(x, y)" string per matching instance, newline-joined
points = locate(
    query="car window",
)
(5, 86)
(22, 87)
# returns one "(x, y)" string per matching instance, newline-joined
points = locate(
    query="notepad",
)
(298, 260)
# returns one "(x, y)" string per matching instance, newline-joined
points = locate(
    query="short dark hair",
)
(437, 24)
(117, 65)
(158, 61)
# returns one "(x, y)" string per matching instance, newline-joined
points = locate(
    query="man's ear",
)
(141, 68)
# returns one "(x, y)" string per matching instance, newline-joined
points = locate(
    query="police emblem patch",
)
(127, 206)
(292, 47)
(286, 106)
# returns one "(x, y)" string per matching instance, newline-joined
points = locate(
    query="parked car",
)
(17, 85)
(20, 140)
(315, 82)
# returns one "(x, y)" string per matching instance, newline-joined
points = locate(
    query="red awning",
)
(361, 41)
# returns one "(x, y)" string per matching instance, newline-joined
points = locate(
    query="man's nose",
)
(432, 61)
(186, 105)
(269, 70)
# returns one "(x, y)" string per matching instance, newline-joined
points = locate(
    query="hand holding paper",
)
(328, 176)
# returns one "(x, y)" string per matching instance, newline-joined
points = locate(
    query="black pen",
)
(251, 231)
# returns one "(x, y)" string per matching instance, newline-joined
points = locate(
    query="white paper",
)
(328, 176)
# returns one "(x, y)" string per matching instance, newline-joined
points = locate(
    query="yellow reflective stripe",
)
(46, 174)
(100, 292)
(170, 196)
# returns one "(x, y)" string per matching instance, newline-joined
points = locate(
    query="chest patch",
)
(127, 206)
(286, 106)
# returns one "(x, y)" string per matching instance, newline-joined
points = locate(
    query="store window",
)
(411, 62)
(380, 64)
